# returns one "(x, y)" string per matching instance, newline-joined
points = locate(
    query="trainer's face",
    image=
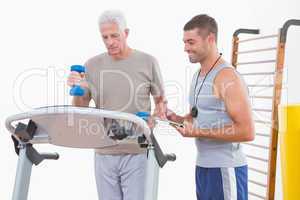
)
(113, 38)
(196, 45)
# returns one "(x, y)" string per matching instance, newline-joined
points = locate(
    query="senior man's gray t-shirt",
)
(124, 85)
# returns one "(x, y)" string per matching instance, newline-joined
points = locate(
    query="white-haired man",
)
(120, 79)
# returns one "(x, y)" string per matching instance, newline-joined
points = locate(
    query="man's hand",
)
(160, 110)
(171, 115)
(187, 130)
(76, 78)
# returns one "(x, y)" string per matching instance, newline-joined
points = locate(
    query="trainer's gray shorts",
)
(120, 177)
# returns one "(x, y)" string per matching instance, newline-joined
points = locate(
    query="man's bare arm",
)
(160, 106)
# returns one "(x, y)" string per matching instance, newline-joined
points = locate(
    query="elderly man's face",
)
(113, 38)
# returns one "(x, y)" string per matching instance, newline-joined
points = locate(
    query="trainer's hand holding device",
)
(171, 117)
(75, 79)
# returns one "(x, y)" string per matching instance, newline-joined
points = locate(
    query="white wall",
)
(45, 37)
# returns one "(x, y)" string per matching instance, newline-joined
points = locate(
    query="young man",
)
(121, 79)
(220, 116)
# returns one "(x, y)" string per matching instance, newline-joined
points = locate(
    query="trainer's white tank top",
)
(212, 114)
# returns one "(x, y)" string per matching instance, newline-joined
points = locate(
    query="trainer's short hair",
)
(204, 23)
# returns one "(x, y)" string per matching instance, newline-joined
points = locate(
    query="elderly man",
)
(120, 79)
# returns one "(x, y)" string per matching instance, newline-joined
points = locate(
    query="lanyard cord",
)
(196, 97)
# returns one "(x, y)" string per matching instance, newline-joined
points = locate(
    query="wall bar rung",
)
(261, 97)
(257, 50)
(257, 62)
(257, 73)
(262, 134)
(262, 122)
(257, 85)
(256, 195)
(257, 158)
(258, 170)
(258, 183)
(257, 145)
(258, 38)
(261, 110)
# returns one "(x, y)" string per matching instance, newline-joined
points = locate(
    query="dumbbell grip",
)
(76, 90)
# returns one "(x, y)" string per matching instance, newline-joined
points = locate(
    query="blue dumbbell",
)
(76, 90)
